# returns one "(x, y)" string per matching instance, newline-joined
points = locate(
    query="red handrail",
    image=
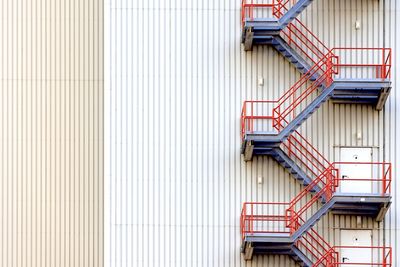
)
(247, 120)
(327, 190)
(314, 41)
(382, 67)
(291, 99)
(319, 246)
(385, 172)
(332, 256)
(247, 12)
(249, 216)
(293, 217)
(325, 64)
(289, 102)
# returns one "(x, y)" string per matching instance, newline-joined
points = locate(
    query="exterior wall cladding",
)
(51, 133)
(176, 78)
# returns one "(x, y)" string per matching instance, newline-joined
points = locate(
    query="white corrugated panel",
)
(392, 125)
(176, 77)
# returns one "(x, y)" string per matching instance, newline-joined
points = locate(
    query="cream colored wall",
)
(51, 133)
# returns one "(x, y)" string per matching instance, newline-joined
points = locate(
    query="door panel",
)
(355, 171)
(353, 255)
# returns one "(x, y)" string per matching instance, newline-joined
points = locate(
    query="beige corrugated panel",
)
(51, 135)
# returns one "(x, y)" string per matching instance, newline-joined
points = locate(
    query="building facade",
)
(176, 178)
(122, 139)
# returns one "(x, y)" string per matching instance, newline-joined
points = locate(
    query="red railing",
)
(289, 103)
(380, 179)
(325, 67)
(296, 33)
(248, 6)
(291, 215)
(297, 209)
(331, 179)
(254, 220)
(283, 110)
(302, 39)
(313, 244)
(342, 256)
(309, 45)
(275, 6)
(377, 61)
(279, 110)
(256, 110)
(304, 154)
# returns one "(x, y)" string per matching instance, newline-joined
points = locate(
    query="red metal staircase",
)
(287, 228)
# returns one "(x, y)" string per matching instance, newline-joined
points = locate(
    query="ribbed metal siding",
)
(176, 79)
(51, 136)
(392, 123)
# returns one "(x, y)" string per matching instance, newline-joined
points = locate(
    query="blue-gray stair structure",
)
(257, 31)
(286, 162)
(266, 31)
(371, 205)
(258, 142)
(268, 144)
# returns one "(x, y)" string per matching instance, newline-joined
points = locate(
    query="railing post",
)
(390, 63)
(273, 118)
(278, 8)
(252, 119)
(277, 119)
(273, 8)
(329, 71)
(390, 178)
(383, 69)
(251, 219)
(383, 257)
(243, 120)
(289, 218)
(243, 221)
(383, 179)
(251, 11)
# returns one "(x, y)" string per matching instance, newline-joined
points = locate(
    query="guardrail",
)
(248, 7)
(287, 217)
(277, 8)
(281, 111)
(264, 217)
(339, 256)
(364, 61)
(380, 178)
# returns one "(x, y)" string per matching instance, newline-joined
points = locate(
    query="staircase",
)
(287, 228)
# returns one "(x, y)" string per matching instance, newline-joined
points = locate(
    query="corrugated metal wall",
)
(51, 137)
(392, 123)
(176, 77)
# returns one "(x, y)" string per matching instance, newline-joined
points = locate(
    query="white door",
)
(355, 171)
(353, 256)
